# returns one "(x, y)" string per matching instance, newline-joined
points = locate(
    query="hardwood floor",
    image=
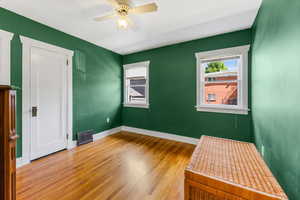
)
(123, 166)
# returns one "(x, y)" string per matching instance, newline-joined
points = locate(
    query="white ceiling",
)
(176, 21)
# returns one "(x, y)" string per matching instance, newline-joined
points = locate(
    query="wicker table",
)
(222, 169)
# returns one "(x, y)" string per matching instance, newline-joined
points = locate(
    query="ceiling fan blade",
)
(106, 17)
(114, 3)
(134, 23)
(130, 22)
(126, 2)
(152, 7)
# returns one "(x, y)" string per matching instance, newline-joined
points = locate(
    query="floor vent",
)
(85, 137)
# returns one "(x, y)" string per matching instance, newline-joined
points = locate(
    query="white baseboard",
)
(21, 162)
(72, 145)
(98, 136)
(103, 134)
(163, 135)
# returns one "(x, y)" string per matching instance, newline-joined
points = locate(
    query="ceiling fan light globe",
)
(122, 23)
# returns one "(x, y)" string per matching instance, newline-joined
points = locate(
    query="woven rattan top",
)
(234, 162)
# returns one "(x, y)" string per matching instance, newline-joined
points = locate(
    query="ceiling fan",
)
(123, 8)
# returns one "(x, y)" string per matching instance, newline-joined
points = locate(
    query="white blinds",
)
(136, 72)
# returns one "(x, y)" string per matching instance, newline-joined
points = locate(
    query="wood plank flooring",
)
(123, 166)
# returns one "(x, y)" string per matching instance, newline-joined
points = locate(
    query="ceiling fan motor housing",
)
(123, 10)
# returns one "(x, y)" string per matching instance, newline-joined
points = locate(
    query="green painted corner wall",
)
(275, 90)
(97, 83)
(172, 91)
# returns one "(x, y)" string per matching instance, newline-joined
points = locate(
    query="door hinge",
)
(67, 62)
(67, 136)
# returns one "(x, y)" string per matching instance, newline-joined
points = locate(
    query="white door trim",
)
(5, 38)
(28, 43)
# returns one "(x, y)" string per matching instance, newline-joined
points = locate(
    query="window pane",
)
(136, 90)
(220, 81)
(137, 94)
(137, 81)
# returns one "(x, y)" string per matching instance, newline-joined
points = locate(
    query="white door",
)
(48, 102)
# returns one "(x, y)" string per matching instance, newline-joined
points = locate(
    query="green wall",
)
(275, 90)
(96, 82)
(173, 92)
(274, 87)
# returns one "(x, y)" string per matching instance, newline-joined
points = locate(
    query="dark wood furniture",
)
(7, 143)
(222, 169)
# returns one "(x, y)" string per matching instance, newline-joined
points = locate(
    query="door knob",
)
(34, 111)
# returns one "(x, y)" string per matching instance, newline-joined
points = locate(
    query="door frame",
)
(5, 40)
(27, 44)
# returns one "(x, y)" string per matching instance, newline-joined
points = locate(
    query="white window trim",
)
(242, 108)
(5, 38)
(133, 65)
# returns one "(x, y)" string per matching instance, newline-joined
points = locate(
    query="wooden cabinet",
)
(8, 139)
(222, 169)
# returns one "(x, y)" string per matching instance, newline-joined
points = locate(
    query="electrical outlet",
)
(107, 120)
(263, 150)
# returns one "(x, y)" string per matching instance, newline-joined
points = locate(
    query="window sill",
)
(220, 109)
(136, 105)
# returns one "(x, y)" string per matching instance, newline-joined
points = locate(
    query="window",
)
(136, 85)
(211, 79)
(211, 97)
(222, 82)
